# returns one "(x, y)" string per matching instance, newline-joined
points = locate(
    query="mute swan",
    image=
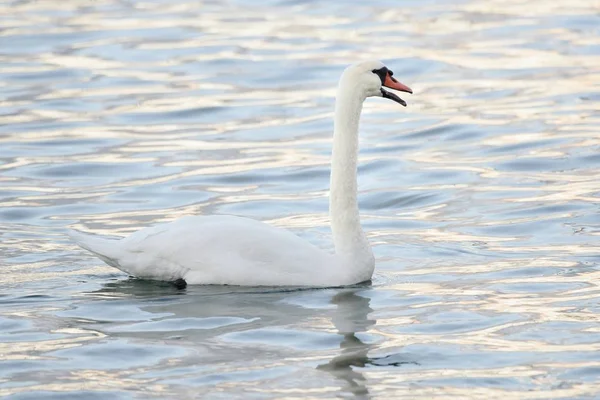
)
(233, 250)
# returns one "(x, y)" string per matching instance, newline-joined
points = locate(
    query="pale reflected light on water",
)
(480, 198)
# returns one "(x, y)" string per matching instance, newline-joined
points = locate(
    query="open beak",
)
(392, 83)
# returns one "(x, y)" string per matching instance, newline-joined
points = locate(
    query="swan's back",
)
(221, 250)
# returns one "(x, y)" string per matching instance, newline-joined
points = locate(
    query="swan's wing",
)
(107, 250)
(224, 250)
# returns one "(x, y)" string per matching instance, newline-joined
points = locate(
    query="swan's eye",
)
(381, 73)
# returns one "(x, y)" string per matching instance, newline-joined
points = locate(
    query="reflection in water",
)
(138, 288)
(211, 306)
(351, 316)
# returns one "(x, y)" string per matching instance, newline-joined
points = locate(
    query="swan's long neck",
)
(348, 236)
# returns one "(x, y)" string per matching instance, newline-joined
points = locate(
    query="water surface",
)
(480, 198)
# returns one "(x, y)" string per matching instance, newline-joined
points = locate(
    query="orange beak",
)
(392, 83)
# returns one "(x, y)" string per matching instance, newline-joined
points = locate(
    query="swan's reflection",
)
(262, 307)
(351, 317)
(248, 317)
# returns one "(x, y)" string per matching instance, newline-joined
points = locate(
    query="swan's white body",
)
(222, 249)
(240, 251)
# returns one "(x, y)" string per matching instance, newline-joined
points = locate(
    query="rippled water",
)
(480, 198)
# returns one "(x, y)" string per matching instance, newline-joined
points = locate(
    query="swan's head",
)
(371, 77)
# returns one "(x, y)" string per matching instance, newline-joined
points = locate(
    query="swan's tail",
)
(105, 249)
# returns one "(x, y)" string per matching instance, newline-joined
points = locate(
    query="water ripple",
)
(480, 198)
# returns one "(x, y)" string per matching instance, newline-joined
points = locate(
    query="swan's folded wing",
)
(226, 250)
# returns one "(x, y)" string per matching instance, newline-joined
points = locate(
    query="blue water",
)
(480, 198)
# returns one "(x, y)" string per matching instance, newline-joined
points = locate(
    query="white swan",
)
(240, 251)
